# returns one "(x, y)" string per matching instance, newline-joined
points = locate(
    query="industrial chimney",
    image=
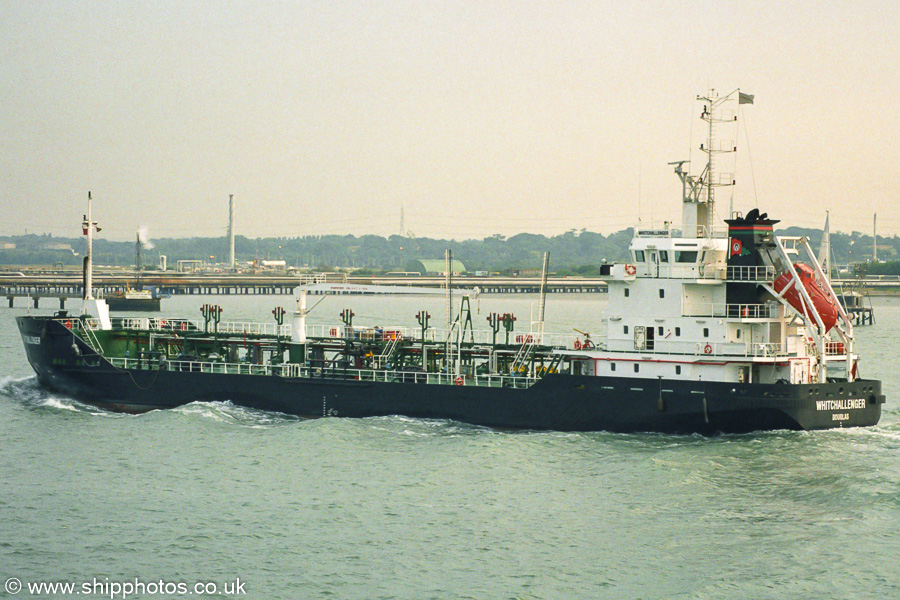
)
(231, 231)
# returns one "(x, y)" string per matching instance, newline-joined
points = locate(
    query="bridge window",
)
(638, 256)
(663, 256)
(685, 256)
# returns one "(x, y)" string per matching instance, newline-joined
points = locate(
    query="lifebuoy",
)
(630, 269)
(68, 324)
(707, 349)
(578, 344)
(459, 380)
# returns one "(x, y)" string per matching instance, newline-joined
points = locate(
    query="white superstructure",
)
(730, 302)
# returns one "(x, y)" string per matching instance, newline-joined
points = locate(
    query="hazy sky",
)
(477, 117)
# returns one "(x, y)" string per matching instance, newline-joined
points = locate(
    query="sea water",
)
(215, 500)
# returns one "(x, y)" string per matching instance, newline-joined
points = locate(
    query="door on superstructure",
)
(640, 337)
(799, 371)
(653, 262)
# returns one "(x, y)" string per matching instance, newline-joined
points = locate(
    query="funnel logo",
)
(736, 247)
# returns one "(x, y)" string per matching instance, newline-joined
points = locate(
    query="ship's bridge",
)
(664, 253)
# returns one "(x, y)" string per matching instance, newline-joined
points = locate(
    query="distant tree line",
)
(574, 252)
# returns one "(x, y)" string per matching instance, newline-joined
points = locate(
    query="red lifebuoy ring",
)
(459, 380)
(578, 344)
(68, 324)
(630, 269)
(707, 349)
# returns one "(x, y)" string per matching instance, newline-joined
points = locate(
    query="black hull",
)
(556, 402)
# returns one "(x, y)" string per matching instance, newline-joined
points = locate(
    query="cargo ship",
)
(136, 298)
(708, 328)
(139, 300)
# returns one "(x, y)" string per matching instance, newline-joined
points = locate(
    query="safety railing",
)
(156, 362)
(752, 349)
(750, 274)
(733, 311)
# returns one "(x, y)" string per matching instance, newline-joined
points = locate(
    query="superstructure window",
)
(662, 293)
(706, 332)
(659, 330)
(638, 256)
(612, 366)
(626, 292)
(663, 256)
(677, 331)
(637, 367)
(678, 369)
(626, 328)
(685, 256)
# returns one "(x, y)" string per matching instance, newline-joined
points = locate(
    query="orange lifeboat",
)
(824, 305)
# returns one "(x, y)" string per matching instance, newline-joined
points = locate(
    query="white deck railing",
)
(733, 311)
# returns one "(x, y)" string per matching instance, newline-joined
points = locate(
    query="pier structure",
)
(62, 287)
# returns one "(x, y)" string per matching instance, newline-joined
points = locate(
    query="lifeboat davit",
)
(822, 302)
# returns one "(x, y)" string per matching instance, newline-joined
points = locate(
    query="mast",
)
(544, 272)
(90, 305)
(87, 228)
(448, 281)
(719, 114)
(825, 249)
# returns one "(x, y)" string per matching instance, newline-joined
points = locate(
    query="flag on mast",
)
(745, 98)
